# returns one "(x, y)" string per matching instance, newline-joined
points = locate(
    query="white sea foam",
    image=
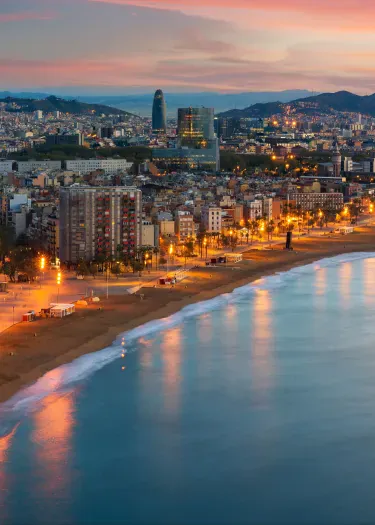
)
(65, 376)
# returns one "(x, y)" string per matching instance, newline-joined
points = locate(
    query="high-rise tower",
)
(195, 124)
(159, 113)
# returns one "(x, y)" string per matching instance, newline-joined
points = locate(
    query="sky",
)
(228, 46)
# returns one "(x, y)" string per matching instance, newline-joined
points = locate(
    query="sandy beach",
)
(29, 350)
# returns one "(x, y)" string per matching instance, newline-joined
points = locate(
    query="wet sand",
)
(45, 344)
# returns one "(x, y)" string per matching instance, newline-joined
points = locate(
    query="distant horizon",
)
(67, 91)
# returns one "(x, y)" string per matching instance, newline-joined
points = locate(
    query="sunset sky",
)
(119, 46)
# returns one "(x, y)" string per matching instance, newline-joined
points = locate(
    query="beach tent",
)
(62, 310)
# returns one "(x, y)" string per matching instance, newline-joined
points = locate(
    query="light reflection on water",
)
(345, 273)
(261, 333)
(369, 281)
(52, 432)
(5, 446)
(259, 411)
(171, 349)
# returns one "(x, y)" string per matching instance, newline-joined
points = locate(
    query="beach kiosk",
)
(233, 257)
(62, 310)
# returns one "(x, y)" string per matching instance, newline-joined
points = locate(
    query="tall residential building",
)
(100, 221)
(195, 125)
(159, 113)
(336, 161)
(53, 236)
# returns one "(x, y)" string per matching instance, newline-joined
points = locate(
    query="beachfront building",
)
(212, 219)
(313, 201)
(150, 234)
(184, 225)
(253, 210)
(97, 222)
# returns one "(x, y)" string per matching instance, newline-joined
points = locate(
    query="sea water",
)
(256, 407)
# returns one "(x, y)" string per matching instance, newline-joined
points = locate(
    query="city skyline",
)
(206, 46)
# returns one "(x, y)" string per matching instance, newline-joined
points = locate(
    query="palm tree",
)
(156, 252)
(254, 227)
(270, 228)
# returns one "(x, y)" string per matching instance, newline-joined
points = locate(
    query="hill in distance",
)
(53, 103)
(141, 103)
(328, 103)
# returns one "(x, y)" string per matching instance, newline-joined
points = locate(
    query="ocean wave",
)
(66, 376)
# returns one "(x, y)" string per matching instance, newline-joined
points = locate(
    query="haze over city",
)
(119, 46)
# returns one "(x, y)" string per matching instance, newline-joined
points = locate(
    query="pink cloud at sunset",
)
(220, 45)
(25, 15)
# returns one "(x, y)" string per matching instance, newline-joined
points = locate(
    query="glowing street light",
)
(205, 245)
(42, 263)
(58, 282)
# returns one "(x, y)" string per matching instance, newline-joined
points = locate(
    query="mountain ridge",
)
(142, 102)
(53, 103)
(342, 101)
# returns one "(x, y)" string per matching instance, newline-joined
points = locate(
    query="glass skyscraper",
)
(159, 113)
(195, 124)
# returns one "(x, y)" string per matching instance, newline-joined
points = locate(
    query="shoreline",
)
(58, 342)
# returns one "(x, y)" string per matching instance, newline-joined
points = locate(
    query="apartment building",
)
(211, 219)
(98, 221)
(184, 225)
(312, 201)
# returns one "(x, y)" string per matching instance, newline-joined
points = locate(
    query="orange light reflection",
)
(262, 341)
(369, 281)
(345, 273)
(171, 349)
(5, 444)
(52, 434)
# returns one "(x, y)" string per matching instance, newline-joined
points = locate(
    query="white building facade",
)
(212, 219)
(109, 166)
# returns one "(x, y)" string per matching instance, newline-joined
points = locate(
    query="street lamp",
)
(146, 260)
(58, 281)
(42, 265)
(205, 245)
(170, 253)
